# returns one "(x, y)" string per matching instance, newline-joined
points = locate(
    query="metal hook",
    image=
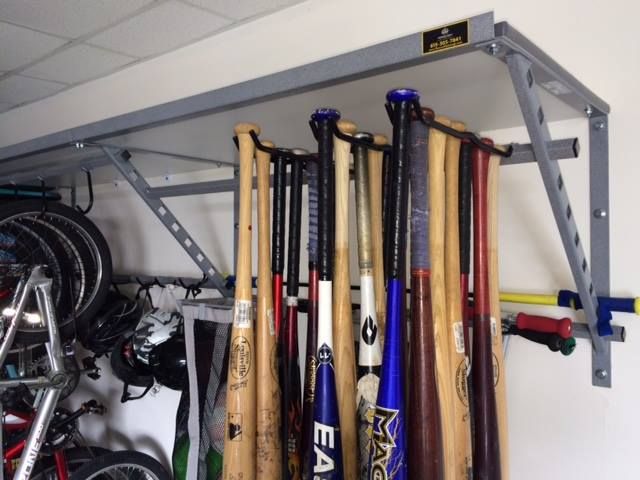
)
(90, 186)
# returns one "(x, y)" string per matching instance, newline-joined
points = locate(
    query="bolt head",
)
(599, 213)
(601, 374)
(493, 49)
(588, 110)
(599, 125)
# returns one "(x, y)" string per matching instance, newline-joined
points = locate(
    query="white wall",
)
(560, 426)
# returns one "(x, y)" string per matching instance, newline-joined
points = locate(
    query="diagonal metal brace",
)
(533, 114)
(121, 160)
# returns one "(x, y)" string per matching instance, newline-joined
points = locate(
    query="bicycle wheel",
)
(75, 457)
(125, 464)
(84, 247)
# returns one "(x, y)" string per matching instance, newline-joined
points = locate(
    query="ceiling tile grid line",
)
(64, 43)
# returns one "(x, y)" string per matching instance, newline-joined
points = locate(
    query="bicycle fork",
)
(39, 283)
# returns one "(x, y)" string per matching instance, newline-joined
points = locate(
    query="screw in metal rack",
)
(599, 213)
(588, 110)
(493, 49)
(599, 125)
(601, 373)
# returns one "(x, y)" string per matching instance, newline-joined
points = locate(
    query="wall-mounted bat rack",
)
(481, 49)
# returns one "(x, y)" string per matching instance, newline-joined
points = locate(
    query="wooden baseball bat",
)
(292, 389)
(345, 360)
(388, 458)
(375, 201)
(312, 321)
(240, 429)
(486, 446)
(268, 434)
(493, 177)
(458, 359)
(424, 435)
(369, 352)
(444, 369)
(326, 457)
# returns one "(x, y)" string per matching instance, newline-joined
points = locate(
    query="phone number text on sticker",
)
(445, 37)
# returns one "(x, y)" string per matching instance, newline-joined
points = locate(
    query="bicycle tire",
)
(124, 462)
(76, 457)
(76, 229)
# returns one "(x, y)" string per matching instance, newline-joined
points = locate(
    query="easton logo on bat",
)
(369, 331)
(384, 441)
(323, 443)
(325, 355)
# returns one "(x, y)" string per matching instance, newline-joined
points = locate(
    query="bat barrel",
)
(486, 448)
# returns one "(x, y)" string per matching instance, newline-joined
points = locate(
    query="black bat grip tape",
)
(464, 192)
(279, 212)
(295, 213)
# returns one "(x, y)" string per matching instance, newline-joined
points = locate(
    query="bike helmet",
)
(127, 368)
(154, 328)
(168, 363)
(118, 316)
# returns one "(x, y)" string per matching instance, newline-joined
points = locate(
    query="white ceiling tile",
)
(78, 64)
(242, 9)
(68, 18)
(5, 106)
(165, 27)
(17, 89)
(19, 46)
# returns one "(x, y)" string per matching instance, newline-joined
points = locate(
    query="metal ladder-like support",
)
(525, 88)
(120, 160)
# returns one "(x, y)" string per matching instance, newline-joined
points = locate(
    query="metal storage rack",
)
(532, 75)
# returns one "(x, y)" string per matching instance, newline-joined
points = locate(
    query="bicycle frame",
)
(36, 282)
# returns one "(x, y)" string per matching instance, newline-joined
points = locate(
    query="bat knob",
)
(379, 139)
(366, 136)
(487, 141)
(324, 114)
(402, 95)
(300, 151)
(244, 127)
(347, 126)
(267, 143)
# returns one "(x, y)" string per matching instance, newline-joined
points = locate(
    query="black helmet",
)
(117, 317)
(127, 368)
(168, 363)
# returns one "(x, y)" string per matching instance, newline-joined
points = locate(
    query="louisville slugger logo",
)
(369, 331)
(383, 442)
(323, 439)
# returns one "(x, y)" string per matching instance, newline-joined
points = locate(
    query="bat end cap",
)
(366, 136)
(402, 95)
(245, 128)
(380, 139)
(268, 143)
(325, 114)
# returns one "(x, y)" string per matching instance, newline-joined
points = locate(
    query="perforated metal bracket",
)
(522, 76)
(121, 160)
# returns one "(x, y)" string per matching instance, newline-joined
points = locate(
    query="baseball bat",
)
(424, 435)
(464, 194)
(562, 327)
(486, 446)
(268, 434)
(493, 176)
(278, 237)
(291, 366)
(388, 457)
(458, 359)
(375, 201)
(326, 458)
(386, 182)
(312, 320)
(444, 369)
(369, 353)
(240, 423)
(345, 361)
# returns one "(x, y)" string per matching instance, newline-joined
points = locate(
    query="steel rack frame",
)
(530, 70)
